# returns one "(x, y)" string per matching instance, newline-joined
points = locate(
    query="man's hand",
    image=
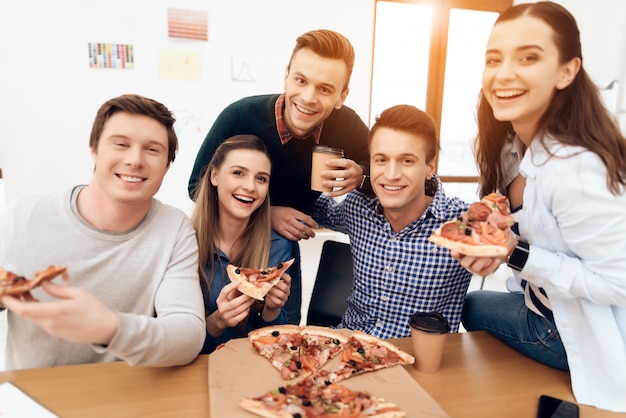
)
(77, 316)
(292, 224)
(350, 173)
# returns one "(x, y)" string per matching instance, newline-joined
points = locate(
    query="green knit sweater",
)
(291, 163)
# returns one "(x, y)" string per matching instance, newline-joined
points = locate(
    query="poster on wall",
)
(187, 24)
(180, 65)
(113, 56)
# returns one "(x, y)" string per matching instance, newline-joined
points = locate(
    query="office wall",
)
(49, 95)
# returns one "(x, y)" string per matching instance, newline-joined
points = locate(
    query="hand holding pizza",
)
(482, 266)
(77, 316)
(232, 308)
(276, 298)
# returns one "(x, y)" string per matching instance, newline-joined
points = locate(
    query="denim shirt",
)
(280, 250)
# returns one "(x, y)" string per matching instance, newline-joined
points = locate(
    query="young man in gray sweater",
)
(134, 291)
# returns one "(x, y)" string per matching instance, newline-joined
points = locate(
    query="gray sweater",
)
(148, 276)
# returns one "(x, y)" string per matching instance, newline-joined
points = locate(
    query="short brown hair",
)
(407, 118)
(328, 44)
(132, 103)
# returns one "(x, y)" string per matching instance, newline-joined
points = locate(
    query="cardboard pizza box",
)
(236, 371)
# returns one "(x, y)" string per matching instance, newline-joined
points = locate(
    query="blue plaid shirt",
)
(396, 275)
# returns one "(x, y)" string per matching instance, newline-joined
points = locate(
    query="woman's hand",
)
(276, 298)
(232, 308)
(484, 266)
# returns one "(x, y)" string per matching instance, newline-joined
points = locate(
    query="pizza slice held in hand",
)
(257, 282)
(15, 285)
(483, 231)
(313, 397)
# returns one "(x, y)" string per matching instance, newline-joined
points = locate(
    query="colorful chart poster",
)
(114, 56)
(187, 24)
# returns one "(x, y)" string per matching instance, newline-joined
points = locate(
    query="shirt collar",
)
(437, 207)
(512, 155)
(538, 154)
(283, 132)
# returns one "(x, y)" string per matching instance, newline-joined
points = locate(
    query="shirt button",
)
(385, 298)
(389, 269)
(379, 324)
(394, 239)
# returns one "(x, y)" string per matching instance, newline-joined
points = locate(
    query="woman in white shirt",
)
(546, 141)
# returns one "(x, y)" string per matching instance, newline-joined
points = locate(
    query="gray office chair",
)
(333, 285)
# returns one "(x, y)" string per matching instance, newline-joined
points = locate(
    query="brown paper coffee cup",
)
(319, 155)
(429, 331)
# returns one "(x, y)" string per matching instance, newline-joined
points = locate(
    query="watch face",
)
(518, 257)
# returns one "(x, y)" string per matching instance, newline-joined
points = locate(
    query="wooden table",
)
(479, 377)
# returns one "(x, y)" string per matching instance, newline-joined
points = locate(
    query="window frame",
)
(437, 57)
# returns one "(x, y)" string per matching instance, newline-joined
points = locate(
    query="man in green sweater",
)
(309, 112)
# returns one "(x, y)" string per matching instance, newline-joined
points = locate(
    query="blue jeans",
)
(505, 316)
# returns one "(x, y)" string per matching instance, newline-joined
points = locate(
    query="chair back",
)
(333, 285)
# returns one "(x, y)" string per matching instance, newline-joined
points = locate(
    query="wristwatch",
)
(519, 255)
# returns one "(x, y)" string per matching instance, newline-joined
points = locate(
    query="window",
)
(429, 53)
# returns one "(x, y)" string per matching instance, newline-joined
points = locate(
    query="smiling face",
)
(522, 72)
(242, 183)
(398, 170)
(314, 87)
(131, 159)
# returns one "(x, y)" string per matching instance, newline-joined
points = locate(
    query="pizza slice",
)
(15, 285)
(257, 282)
(313, 397)
(280, 344)
(483, 231)
(365, 353)
(319, 344)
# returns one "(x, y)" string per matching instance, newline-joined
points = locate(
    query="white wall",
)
(49, 95)
(603, 38)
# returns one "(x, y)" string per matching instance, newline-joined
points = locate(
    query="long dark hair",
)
(575, 116)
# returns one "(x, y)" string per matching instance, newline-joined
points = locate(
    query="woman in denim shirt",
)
(232, 223)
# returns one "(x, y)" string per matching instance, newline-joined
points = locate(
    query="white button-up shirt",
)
(577, 231)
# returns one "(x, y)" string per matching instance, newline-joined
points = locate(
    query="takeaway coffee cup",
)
(429, 331)
(319, 155)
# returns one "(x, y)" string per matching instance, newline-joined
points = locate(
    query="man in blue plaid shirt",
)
(397, 271)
